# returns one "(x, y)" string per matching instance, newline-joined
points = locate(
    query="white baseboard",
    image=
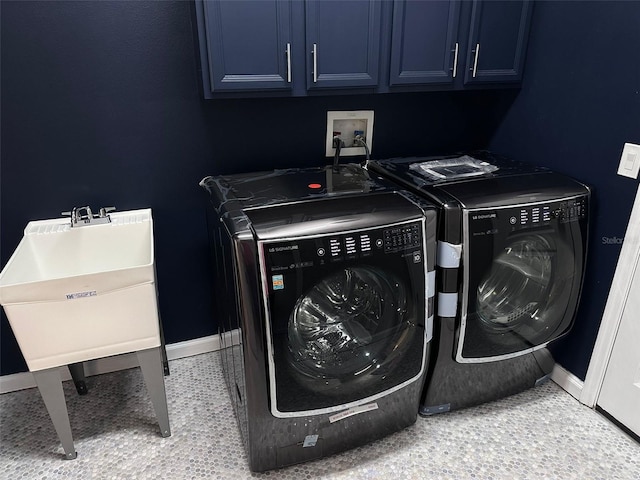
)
(20, 381)
(190, 348)
(568, 381)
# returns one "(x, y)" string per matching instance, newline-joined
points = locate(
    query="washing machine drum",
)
(349, 330)
(519, 291)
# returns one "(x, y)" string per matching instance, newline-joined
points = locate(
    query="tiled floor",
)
(542, 433)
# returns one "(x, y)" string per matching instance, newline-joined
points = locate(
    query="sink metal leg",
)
(77, 373)
(151, 365)
(163, 349)
(50, 385)
(165, 361)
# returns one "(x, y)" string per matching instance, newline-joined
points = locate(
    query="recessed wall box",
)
(347, 125)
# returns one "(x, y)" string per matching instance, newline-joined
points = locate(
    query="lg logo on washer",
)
(284, 248)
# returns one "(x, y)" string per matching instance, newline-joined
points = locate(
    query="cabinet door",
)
(497, 41)
(343, 43)
(248, 44)
(424, 46)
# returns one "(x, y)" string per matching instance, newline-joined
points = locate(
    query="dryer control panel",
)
(540, 214)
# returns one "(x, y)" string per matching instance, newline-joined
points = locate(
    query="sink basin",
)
(75, 294)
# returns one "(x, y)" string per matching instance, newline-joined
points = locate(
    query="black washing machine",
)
(512, 241)
(324, 300)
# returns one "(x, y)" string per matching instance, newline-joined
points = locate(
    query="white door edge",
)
(616, 301)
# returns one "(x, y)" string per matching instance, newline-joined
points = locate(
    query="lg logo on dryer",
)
(484, 216)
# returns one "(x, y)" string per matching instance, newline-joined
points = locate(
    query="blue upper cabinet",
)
(497, 41)
(255, 48)
(343, 43)
(424, 42)
(247, 45)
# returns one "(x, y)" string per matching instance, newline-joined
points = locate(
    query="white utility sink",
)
(77, 293)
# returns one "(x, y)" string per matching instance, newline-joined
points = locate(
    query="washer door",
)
(345, 317)
(348, 329)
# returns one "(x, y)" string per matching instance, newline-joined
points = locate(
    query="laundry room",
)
(227, 193)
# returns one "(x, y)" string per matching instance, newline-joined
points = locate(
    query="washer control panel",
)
(403, 240)
(394, 239)
(349, 245)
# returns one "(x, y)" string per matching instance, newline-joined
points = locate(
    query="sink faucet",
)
(84, 216)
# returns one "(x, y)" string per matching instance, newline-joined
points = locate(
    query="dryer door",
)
(345, 317)
(523, 269)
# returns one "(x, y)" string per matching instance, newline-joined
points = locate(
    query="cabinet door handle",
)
(315, 63)
(475, 60)
(288, 63)
(455, 61)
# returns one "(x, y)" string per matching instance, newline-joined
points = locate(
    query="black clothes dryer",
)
(324, 301)
(512, 243)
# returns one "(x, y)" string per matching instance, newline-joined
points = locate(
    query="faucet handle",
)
(73, 214)
(105, 210)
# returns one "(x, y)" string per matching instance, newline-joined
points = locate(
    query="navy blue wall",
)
(580, 102)
(101, 105)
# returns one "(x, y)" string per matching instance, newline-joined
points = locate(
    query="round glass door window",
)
(515, 294)
(348, 330)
